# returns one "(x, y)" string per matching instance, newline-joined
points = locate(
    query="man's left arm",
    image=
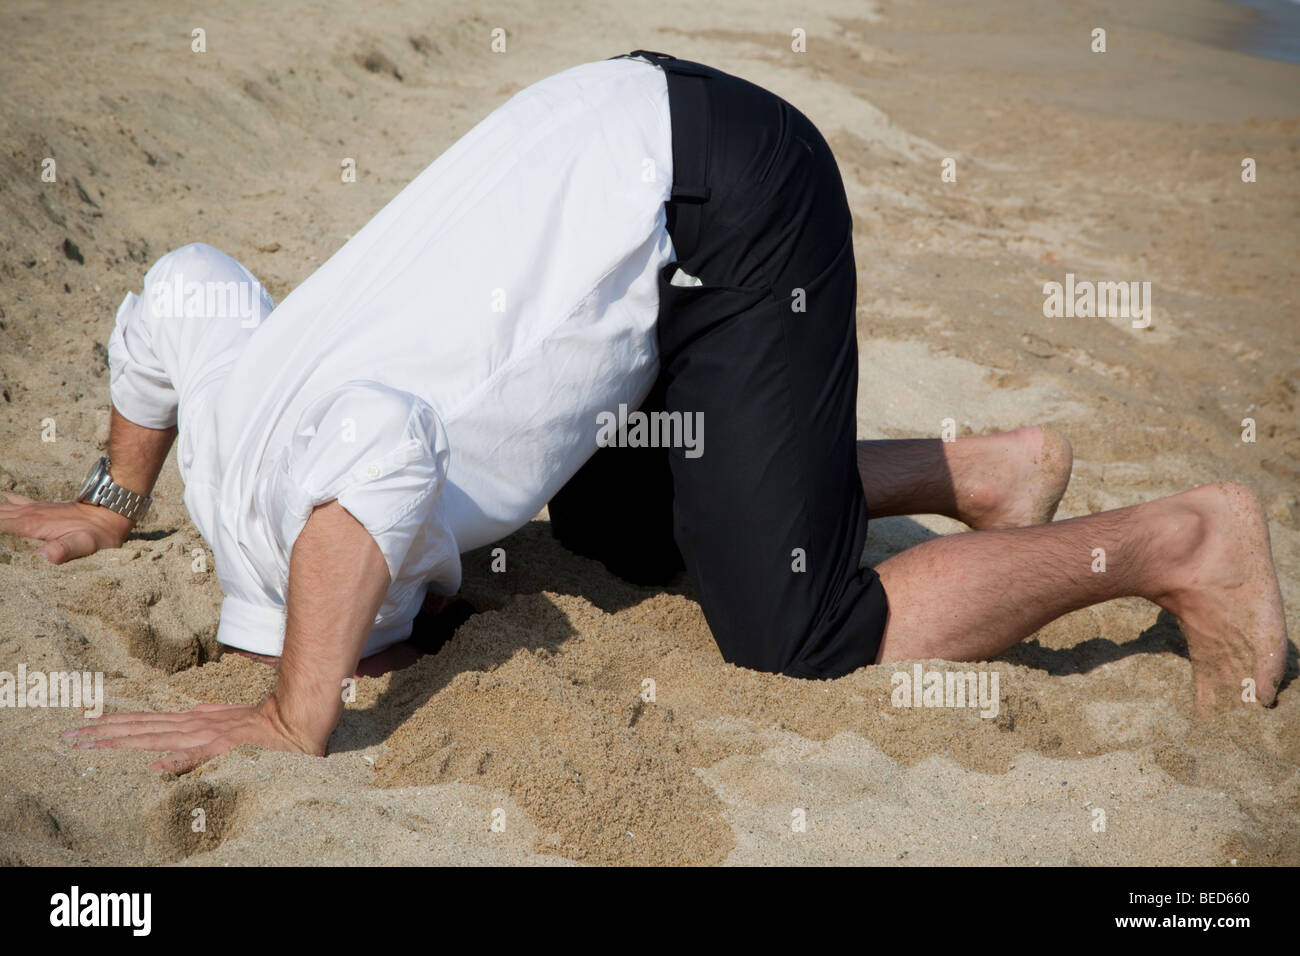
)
(337, 581)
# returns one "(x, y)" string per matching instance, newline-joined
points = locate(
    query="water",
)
(1274, 34)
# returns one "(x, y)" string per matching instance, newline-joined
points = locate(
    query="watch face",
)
(92, 481)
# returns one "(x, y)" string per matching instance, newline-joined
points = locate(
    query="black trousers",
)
(770, 519)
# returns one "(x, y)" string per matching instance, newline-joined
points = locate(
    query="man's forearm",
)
(137, 453)
(337, 581)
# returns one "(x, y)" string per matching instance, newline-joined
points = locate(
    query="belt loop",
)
(652, 54)
(688, 103)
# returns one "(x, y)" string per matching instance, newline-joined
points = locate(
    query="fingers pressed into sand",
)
(69, 547)
(167, 740)
(92, 722)
(111, 731)
(189, 738)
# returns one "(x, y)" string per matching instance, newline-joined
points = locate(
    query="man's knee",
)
(817, 640)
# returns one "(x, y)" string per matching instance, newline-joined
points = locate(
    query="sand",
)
(527, 738)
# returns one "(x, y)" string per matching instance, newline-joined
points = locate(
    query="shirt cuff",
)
(259, 629)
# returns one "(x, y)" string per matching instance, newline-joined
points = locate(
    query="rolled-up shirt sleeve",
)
(383, 455)
(198, 309)
(141, 389)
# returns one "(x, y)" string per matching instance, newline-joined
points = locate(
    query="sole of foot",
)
(1228, 603)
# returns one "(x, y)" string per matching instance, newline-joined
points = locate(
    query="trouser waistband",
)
(690, 115)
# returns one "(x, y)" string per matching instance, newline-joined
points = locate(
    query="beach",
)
(576, 718)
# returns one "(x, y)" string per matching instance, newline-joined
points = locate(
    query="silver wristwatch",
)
(100, 489)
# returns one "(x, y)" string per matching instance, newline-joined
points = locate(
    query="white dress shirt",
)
(441, 374)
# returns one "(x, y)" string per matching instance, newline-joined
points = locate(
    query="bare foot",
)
(1013, 479)
(1226, 598)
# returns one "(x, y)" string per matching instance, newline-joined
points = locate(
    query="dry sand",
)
(1123, 165)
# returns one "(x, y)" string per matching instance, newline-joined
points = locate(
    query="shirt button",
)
(372, 471)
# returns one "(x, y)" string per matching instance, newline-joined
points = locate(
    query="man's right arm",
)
(74, 529)
(337, 580)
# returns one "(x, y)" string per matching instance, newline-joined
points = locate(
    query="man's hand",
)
(74, 529)
(192, 738)
(337, 581)
(70, 529)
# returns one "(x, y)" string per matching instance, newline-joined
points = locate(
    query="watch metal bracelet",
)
(100, 489)
(116, 498)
